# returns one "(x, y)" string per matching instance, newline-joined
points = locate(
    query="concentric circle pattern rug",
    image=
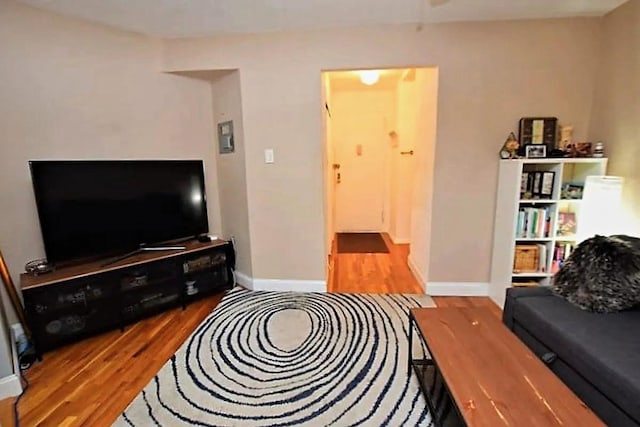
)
(290, 359)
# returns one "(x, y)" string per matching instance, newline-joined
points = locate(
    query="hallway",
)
(377, 273)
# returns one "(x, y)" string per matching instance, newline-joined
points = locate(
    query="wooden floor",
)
(374, 273)
(93, 381)
(381, 273)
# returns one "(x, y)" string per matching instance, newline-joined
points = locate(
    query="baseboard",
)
(289, 285)
(399, 240)
(244, 280)
(10, 386)
(280, 284)
(402, 241)
(415, 271)
(460, 289)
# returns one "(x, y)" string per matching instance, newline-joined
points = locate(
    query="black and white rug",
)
(289, 359)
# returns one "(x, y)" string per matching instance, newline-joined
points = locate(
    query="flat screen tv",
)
(108, 207)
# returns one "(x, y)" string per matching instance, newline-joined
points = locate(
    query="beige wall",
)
(70, 89)
(227, 105)
(616, 107)
(422, 204)
(491, 74)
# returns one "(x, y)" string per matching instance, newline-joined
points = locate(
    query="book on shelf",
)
(542, 258)
(533, 223)
(537, 185)
(566, 223)
(561, 252)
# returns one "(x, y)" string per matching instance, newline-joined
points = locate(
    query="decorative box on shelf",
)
(526, 259)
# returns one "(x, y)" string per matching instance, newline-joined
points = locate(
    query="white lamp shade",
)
(601, 209)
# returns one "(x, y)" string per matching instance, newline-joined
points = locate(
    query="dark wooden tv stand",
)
(74, 302)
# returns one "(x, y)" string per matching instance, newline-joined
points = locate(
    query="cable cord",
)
(25, 386)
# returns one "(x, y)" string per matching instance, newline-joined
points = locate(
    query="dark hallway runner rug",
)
(358, 243)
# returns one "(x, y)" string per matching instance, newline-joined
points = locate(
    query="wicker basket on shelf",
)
(526, 259)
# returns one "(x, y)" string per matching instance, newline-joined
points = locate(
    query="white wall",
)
(234, 210)
(71, 89)
(403, 165)
(329, 173)
(422, 207)
(490, 75)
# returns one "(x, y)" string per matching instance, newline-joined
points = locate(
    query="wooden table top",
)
(493, 377)
(28, 281)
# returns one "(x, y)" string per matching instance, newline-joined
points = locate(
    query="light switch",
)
(268, 155)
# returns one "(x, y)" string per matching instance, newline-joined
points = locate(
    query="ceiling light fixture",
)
(369, 77)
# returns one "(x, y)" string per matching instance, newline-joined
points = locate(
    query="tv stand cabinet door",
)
(71, 310)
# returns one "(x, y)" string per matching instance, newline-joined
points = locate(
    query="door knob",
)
(407, 153)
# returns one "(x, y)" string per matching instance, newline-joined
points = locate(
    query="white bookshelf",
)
(508, 204)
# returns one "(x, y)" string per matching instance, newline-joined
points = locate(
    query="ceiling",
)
(189, 18)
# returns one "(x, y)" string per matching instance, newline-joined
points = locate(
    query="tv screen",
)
(103, 207)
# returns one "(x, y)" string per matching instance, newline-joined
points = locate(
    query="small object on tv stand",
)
(204, 238)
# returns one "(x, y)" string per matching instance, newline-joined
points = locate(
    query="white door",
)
(361, 144)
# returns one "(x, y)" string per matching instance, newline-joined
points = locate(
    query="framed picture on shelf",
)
(566, 224)
(538, 130)
(572, 191)
(535, 151)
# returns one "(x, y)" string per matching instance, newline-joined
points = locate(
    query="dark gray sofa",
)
(596, 355)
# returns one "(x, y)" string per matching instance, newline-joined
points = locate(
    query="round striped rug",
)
(289, 359)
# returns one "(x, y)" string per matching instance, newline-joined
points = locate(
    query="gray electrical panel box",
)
(225, 137)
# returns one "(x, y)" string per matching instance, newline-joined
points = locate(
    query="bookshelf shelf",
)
(537, 202)
(534, 274)
(571, 238)
(523, 219)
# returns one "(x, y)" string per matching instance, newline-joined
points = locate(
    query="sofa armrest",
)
(511, 301)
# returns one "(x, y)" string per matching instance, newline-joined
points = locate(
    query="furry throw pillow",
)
(602, 274)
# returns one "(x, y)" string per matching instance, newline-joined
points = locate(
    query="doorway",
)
(379, 140)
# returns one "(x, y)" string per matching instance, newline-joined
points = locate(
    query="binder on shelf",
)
(546, 186)
(524, 185)
(537, 181)
(537, 185)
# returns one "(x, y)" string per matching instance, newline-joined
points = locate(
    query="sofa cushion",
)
(603, 348)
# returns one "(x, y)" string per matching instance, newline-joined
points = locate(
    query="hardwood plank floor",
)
(93, 381)
(375, 273)
(381, 273)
